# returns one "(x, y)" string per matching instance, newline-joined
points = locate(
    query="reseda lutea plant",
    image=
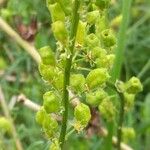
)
(79, 67)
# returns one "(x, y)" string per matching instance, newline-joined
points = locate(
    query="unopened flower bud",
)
(107, 109)
(129, 100)
(95, 98)
(92, 16)
(57, 13)
(97, 77)
(60, 31)
(128, 134)
(40, 116)
(5, 126)
(82, 114)
(81, 32)
(77, 82)
(102, 4)
(50, 126)
(108, 38)
(51, 102)
(47, 55)
(133, 86)
(92, 40)
(105, 62)
(55, 145)
(47, 72)
(98, 52)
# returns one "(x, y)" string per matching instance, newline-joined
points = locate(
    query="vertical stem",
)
(115, 74)
(121, 40)
(120, 122)
(75, 20)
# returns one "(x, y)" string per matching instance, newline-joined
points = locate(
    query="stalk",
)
(116, 71)
(121, 114)
(75, 21)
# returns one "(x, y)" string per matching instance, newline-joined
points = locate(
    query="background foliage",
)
(14, 61)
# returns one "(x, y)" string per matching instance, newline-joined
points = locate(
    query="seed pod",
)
(47, 55)
(107, 109)
(105, 62)
(129, 101)
(57, 13)
(95, 98)
(40, 116)
(77, 82)
(101, 24)
(50, 126)
(102, 4)
(108, 38)
(97, 77)
(82, 114)
(49, 2)
(47, 72)
(133, 86)
(51, 102)
(58, 81)
(81, 33)
(98, 52)
(92, 16)
(5, 126)
(60, 32)
(55, 145)
(128, 134)
(92, 40)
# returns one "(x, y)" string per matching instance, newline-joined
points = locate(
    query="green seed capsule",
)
(92, 40)
(47, 56)
(102, 4)
(77, 82)
(133, 86)
(128, 134)
(60, 32)
(98, 52)
(5, 126)
(58, 81)
(107, 109)
(50, 126)
(49, 2)
(129, 101)
(47, 72)
(55, 145)
(51, 102)
(92, 16)
(82, 114)
(108, 38)
(40, 116)
(81, 33)
(97, 77)
(101, 24)
(105, 62)
(95, 98)
(57, 13)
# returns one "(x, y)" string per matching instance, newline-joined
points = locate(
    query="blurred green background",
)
(31, 20)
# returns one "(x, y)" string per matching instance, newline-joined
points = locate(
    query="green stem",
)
(121, 40)
(121, 114)
(75, 20)
(115, 74)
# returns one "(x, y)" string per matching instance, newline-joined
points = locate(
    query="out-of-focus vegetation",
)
(19, 73)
